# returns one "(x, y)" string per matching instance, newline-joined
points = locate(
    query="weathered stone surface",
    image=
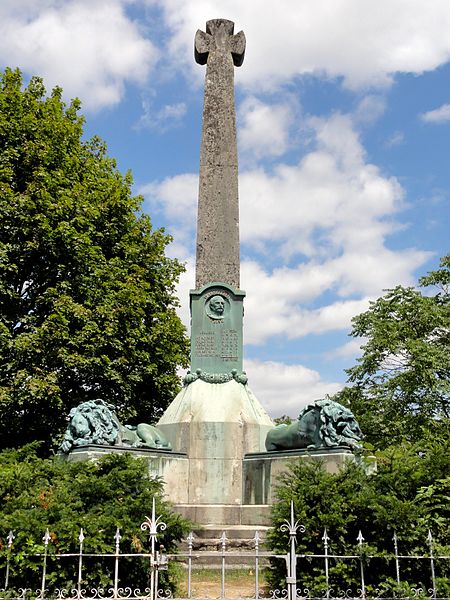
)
(215, 425)
(261, 471)
(226, 514)
(218, 206)
(171, 467)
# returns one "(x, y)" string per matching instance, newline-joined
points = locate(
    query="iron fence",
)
(256, 558)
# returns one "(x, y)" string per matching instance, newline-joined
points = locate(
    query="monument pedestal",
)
(215, 424)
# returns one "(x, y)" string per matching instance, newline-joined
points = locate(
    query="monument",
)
(215, 447)
(216, 419)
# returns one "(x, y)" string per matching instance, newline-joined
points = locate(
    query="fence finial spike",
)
(46, 537)
(360, 538)
(81, 536)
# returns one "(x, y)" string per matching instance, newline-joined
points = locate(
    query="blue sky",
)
(344, 146)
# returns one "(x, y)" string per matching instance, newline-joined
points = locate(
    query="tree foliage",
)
(408, 495)
(400, 394)
(401, 384)
(87, 295)
(36, 494)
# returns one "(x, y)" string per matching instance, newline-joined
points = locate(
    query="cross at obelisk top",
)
(218, 203)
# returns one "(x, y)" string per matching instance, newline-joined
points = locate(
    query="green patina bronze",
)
(321, 424)
(95, 422)
(216, 333)
(215, 377)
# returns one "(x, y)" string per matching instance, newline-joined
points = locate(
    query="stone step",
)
(239, 549)
(233, 532)
(222, 515)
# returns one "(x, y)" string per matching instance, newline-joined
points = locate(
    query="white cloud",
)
(264, 128)
(177, 196)
(91, 49)
(351, 349)
(396, 139)
(332, 195)
(286, 389)
(370, 108)
(345, 38)
(167, 117)
(330, 215)
(186, 283)
(438, 115)
(278, 303)
(94, 48)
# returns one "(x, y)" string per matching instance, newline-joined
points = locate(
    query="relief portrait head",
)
(216, 306)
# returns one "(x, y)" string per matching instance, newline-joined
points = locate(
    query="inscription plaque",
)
(217, 312)
(205, 344)
(229, 344)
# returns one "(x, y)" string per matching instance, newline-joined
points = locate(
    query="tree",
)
(401, 384)
(36, 494)
(407, 495)
(400, 394)
(87, 295)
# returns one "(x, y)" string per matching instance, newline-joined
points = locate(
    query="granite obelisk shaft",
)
(218, 204)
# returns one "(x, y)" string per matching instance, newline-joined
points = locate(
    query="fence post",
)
(10, 539)
(397, 562)
(223, 540)
(292, 527)
(190, 541)
(80, 562)
(156, 571)
(360, 541)
(117, 539)
(433, 576)
(326, 539)
(152, 525)
(46, 540)
(257, 539)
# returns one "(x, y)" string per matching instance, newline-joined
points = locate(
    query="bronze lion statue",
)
(95, 422)
(321, 424)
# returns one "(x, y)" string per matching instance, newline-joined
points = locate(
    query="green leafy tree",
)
(408, 495)
(400, 394)
(401, 384)
(36, 494)
(87, 295)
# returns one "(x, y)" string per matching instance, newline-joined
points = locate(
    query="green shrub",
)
(36, 494)
(408, 495)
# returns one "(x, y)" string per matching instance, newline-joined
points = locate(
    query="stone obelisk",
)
(218, 205)
(216, 419)
(217, 302)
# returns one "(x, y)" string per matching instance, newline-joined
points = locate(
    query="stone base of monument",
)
(261, 470)
(240, 546)
(240, 517)
(171, 467)
(215, 424)
(218, 473)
